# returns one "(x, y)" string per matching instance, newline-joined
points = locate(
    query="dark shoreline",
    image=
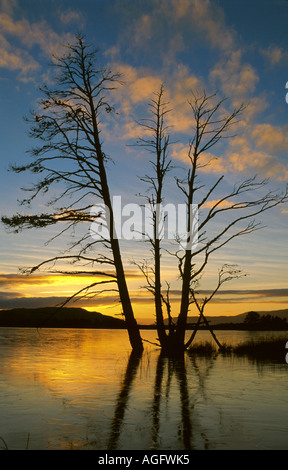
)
(53, 317)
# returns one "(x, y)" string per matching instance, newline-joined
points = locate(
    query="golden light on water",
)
(81, 389)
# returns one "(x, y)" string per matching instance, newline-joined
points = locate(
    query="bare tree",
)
(70, 152)
(157, 143)
(241, 206)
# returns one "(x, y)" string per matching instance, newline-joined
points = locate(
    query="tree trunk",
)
(158, 301)
(131, 324)
(182, 318)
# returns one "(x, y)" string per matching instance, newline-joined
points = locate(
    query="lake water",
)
(80, 389)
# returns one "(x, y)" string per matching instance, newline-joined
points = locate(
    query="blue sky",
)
(235, 48)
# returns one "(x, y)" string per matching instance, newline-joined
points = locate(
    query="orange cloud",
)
(270, 138)
(222, 204)
(29, 34)
(12, 58)
(240, 157)
(203, 16)
(9, 280)
(275, 55)
(244, 156)
(237, 80)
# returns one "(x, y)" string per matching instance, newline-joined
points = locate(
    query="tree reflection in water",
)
(122, 400)
(166, 369)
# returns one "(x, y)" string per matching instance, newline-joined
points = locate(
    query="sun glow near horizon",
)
(51, 290)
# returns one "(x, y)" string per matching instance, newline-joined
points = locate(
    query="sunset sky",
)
(238, 49)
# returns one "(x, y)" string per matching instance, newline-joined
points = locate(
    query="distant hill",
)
(277, 313)
(234, 321)
(222, 319)
(50, 317)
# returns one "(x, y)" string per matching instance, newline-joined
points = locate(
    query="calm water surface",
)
(80, 389)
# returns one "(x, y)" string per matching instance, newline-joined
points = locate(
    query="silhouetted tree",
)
(157, 142)
(242, 205)
(252, 318)
(70, 152)
(255, 321)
